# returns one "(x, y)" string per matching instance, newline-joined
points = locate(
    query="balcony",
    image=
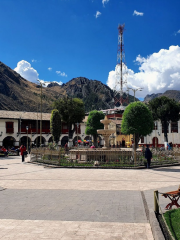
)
(9, 130)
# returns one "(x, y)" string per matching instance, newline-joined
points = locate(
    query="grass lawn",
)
(173, 221)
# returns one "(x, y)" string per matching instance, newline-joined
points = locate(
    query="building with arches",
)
(14, 131)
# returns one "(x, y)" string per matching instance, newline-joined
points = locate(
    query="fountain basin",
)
(106, 132)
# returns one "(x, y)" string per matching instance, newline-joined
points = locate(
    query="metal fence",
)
(102, 158)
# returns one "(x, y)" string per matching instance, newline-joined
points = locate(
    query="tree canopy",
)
(165, 110)
(93, 123)
(138, 120)
(71, 111)
(55, 125)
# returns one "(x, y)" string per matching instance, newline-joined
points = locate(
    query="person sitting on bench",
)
(5, 151)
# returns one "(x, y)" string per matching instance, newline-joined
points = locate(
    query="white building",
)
(19, 127)
(14, 132)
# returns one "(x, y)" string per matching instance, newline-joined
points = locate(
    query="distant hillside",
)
(18, 94)
(174, 94)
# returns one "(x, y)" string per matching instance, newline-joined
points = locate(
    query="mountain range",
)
(19, 94)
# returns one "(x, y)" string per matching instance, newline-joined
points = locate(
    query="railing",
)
(160, 215)
(113, 158)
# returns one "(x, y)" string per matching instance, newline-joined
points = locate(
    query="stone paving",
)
(51, 203)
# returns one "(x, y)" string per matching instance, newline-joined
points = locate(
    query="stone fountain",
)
(99, 154)
(105, 132)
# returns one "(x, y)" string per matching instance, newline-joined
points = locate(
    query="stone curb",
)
(98, 167)
(156, 229)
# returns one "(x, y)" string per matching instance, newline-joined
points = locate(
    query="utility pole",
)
(41, 113)
(135, 90)
(77, 124)
(27, 136)
(20, 131)
(41, 119)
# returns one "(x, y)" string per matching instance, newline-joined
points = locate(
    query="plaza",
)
(38, 202)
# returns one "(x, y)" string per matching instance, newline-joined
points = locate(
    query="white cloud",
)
(49, 68)
(62, 74)
(104, 1)
(45, 84)
(157, 73)
(33, 60)
(26, 71)
(138, 13)
(177, 32)
(97, 14)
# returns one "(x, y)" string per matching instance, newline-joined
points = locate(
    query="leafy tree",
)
(71, 111)
(165, 110)
(93, 123)
(55, 125)
(138, 120)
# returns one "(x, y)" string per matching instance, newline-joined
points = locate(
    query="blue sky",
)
(71, 39)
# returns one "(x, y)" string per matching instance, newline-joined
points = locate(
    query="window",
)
(174, 127)
(46, 125)
(118, 129)
(78, 129)
(9, 127)
(142, 139)
(155, 126)
(64, 126)
(163, 128)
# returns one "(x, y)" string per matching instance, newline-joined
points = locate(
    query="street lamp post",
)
(27, 137)
(19, 131)
(41, 113)
(155, 135)
(135, 90)
(77, 124)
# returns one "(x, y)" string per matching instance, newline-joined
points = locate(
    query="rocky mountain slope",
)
(174, 94)
(18, 94)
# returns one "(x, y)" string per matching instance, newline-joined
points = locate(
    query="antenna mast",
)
(121, 70)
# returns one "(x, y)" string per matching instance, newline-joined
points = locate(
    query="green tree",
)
(93, 123)
(138, 120)
(165, 110)
(55, 125)
(71, 111)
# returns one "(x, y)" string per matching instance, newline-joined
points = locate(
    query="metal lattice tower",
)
(121, 70)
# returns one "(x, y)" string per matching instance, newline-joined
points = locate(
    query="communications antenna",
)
(121, 96)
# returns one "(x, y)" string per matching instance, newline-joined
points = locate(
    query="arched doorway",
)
(155, 141)
(23, 141)
(76, 140)
(37, 141)
(8, 142)
(64, 140)
(123, 142)
(50, 139)
(87, 138)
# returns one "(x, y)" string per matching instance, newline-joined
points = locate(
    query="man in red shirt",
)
(22, 150)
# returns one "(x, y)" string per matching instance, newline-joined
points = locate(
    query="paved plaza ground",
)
(37, 202)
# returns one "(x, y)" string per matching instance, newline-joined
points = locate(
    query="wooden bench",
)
(174, 197)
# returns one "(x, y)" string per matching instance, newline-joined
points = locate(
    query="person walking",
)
(148, 156)
(22, 150)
